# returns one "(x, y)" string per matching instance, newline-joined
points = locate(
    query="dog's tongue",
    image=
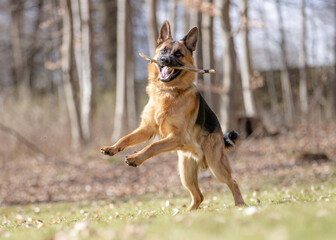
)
(166, 71)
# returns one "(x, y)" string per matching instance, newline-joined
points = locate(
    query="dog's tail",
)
(231, 139)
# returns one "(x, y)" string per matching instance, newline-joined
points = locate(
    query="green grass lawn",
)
(295, 212)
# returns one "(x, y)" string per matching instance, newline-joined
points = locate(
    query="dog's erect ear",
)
(164, 33)
(190, 40)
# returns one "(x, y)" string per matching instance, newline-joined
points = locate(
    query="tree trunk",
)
(77, 38)
(315, 100)
(245, 64)
(186, 16)
(172, 15)
(16, 8)
(196, 21)
(334, 79)
(228, 99)
(87, 69)
(272, 90)
(207, 52)
(285, 82)
(131, 100)
(269, 59)
(33, 48)
(67, 69)
(109, 40)
(119, 116)
(152, 26)
(303, 64)
(56, 55)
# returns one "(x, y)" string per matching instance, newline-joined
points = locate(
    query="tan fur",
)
(171, 113)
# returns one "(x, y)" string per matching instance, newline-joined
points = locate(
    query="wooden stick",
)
(179, 67)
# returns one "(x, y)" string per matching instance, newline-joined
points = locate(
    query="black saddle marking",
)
(206, 118)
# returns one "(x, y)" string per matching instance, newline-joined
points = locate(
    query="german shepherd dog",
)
(177, 113)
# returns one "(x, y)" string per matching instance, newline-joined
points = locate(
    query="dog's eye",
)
(178, 54)
(164, 51)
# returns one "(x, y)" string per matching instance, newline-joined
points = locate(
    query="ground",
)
(95, 197)
(257, 163)
(295, 212)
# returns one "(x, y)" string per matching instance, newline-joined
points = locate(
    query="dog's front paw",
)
(110, 150)
(132, 161)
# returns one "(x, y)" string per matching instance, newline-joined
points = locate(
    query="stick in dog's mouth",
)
(177, 67)
(167, 73)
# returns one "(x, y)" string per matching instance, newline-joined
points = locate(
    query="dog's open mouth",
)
(167, 74)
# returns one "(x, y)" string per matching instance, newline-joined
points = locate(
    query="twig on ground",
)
(22, 139)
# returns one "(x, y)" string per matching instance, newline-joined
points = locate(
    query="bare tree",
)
(186, 16)
(119, 116)
(67, 69)
(245, 64)
(131, 100)
(108, 9)
(87, 68)
(269, 59)
(285, 82)
(82, 45)
(317, 96)
(33, 48)
(207, 51)
(152, 26)
(228, 99)
(19, 66)
(303, 64)
(77, 38)
(172, 15)
(334, 79)
(196, 21)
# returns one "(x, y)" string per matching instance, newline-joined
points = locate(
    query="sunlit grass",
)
(296, 212)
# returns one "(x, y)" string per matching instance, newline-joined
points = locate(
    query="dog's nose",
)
(164, 60)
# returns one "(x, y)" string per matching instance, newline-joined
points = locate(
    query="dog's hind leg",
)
(188, 168)
(219, 165)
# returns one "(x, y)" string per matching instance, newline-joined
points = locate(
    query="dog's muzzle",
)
(167, 73)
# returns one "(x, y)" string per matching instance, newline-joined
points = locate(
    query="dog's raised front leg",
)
(141, 134)
(165, 145)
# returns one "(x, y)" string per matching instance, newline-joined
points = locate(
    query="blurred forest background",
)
(71, 81)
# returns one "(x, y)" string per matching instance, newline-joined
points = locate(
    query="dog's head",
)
(170, 53)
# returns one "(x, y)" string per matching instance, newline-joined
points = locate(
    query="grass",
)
(295, 212)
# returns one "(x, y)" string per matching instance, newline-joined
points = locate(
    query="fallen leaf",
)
(250, 211)
(175, 211)
(39, 223)
(79, 226)
(37, 210)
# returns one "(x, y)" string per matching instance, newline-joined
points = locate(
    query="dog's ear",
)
(164, 33)
(190, 40)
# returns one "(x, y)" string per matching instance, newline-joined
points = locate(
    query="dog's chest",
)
(162, 115)
(159, 117)
(165, 116)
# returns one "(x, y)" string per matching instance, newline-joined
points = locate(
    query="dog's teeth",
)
(166, 72)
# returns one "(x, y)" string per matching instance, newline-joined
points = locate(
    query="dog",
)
(179, 115)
